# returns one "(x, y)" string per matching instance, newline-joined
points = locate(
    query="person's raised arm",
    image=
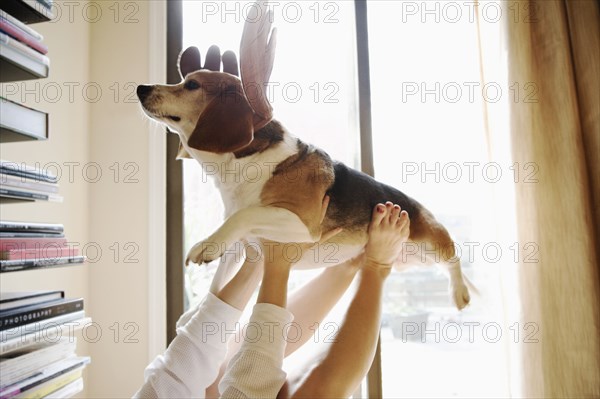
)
(314, 300)
(347, 361)
(255, 371)
(192, 360)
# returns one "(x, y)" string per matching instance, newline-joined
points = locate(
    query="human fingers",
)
(213, 58)
(230, 64)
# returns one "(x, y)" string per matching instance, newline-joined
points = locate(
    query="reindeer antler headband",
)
(257, 54)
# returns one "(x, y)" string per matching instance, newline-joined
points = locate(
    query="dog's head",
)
(209, 109)
(216, 111)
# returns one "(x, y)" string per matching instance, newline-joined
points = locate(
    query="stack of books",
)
(21, 45)
(37, 348)
(22, 57)
(26, 182)
(27, 246)
(21, 123)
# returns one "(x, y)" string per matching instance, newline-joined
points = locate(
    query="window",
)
(429, 141)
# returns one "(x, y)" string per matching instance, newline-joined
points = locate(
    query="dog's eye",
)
(191, 85)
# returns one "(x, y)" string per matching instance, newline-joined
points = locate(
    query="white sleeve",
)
(192, 361)
(256, 370)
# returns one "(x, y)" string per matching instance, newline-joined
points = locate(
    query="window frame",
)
(374, 376)
(174, 172)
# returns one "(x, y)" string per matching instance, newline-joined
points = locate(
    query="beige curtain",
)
(553, 45)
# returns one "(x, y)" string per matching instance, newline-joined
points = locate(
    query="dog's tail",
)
(472, 288)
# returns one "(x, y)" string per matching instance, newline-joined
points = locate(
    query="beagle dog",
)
(226, 124)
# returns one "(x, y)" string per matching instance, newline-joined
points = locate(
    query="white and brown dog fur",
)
(219, 126)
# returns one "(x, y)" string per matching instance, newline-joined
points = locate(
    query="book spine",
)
(50, 386)
(46, 254)
(44, 377)
(26, 365)
(29, 234)
(64, 330)
(5, 335)
(22, 194)
(28, 184)
(31, 227)
(23, 49)
(69, 390)
(28, 175)
(36, 172)
(18, 343)
(19, 300)
(46, 3)
(29, 194)
(17, 265)
(31, 243)
(21, 25)
(32, 175)
(23, 37)
(8, 179)
(19, 319)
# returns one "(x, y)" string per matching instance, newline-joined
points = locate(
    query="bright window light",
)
(430, 142)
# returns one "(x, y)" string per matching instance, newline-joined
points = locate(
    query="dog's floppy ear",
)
(226, 124)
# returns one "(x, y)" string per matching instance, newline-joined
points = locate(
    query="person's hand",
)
(388, 231)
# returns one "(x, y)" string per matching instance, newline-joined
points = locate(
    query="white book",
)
(58, 369)
(43, 389)
(24, 49)
(68, 390)
(24, 168)
(31, 184)
(51, 323)
(24, 120)
(22, 364)
(64, 330)
(18, 192)
(21, 25)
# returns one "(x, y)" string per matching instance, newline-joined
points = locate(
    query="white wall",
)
(104, 45)
(120, 208)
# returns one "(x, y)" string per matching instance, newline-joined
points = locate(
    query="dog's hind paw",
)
(204, 252)
(460, 295)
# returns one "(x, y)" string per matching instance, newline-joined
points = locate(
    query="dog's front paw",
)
(460, 295)
(204, 252)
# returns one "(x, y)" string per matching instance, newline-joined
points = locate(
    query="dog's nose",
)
(143, 91)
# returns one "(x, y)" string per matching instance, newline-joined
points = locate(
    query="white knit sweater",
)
(191, 362)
